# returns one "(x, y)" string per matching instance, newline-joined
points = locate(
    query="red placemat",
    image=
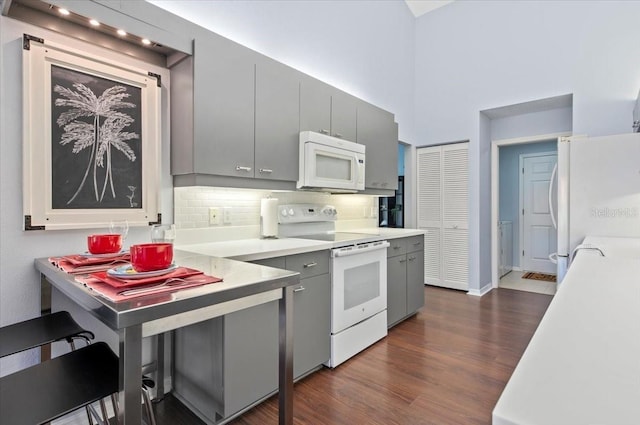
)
(115, 294)
(179, 273)
(64, 263)
(87, 260)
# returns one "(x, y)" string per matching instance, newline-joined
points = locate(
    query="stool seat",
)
(51, 389)
(40, 331)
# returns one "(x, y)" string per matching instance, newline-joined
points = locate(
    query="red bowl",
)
(147, 257)
(104, 244)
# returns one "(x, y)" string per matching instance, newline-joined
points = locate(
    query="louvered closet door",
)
(455, 216)
(430, 211)
(443, 207)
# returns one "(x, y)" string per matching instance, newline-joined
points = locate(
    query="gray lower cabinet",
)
(405, 278)
(244, 345)
(379, 133)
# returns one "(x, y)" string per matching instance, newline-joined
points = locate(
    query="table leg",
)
(285, 363)
(130, 409)
(160, 371)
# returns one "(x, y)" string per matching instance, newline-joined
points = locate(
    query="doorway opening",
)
(521, 230)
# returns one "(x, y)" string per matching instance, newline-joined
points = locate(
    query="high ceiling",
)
(420, 7)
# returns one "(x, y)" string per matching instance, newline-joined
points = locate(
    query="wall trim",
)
(482, 291)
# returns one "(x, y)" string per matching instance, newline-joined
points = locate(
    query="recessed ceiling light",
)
(63, 11)
(146, 41)
(122, 32)
(94, 22)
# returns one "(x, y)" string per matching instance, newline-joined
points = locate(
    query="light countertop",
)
(252, 249)
(582, 365)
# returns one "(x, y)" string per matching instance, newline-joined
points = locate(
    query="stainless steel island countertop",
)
(243, 285)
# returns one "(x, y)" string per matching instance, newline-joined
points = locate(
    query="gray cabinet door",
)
(343, 115)
(223, 107)
(311, 324)
(415, 281)
(379, 133)
(315, 105)
(250, 355)
(277, 120)
(396, 289)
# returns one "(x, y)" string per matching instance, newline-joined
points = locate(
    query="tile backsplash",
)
(191, 205)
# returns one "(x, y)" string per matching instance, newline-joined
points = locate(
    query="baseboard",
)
(480, 292)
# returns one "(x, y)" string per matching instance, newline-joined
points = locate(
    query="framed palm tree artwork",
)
(91, 139)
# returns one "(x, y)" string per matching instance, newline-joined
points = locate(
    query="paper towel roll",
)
(269, 218)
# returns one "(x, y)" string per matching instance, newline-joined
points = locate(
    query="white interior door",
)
(539, 237)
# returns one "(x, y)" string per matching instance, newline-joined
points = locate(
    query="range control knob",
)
(291, 212)
(283, 212)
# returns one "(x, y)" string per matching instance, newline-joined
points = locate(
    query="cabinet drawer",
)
(276, 262)
(397, 247)
(415, 243)
(309, 264)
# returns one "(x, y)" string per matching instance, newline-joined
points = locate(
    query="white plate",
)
(127, 272)
(113, 254)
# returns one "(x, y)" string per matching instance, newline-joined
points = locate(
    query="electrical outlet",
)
(226, 215)
(214, 216)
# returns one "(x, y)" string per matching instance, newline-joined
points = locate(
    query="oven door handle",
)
(373, 246)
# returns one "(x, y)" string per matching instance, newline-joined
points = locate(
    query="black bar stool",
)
(48, 390)
(40, 331)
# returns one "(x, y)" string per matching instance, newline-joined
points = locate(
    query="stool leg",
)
(114, 402)
(148, 407)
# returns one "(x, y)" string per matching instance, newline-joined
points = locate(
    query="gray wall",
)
(510, 185)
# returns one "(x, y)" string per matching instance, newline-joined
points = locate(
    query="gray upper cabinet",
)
(343, 115)
(325, 109)
(379, 133)
(277, 120)
(212, 109)
(315, 105)
(223, 108)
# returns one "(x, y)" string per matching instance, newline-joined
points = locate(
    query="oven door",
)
(359, 283)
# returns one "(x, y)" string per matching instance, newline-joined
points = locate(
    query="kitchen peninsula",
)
(244, 285)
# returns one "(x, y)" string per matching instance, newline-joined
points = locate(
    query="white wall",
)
(365, 48)
(477, 55)
(19, 282)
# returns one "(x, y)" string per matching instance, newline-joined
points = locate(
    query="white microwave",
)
(330, 164)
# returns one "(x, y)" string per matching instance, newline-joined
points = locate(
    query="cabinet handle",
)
(385, 184)
(240, 168)
(338, 135)
(323, 131)
(309, 265)
(412, 258)
(299, 289)
(266, 170)
(416, 243)
(403, 261)
(396, 247)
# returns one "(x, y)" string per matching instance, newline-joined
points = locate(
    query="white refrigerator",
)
(598, 191)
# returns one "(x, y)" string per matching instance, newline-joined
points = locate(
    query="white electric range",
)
(358, 277)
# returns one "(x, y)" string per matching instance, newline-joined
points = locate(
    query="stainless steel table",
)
(244, 285)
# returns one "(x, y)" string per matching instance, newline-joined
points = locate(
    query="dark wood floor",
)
(446, 365)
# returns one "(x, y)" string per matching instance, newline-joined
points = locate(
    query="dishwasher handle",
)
(359, 249)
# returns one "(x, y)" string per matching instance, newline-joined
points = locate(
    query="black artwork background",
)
(67, 168)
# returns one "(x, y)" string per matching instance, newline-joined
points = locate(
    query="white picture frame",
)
(91, 140)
